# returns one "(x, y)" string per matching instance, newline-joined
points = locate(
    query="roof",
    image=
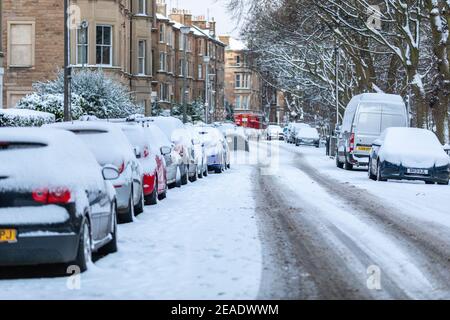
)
(236, 45)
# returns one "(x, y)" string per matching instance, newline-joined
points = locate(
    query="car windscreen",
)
(369, 123)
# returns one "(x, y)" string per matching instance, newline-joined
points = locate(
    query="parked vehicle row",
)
(375, 134)
(66, 186)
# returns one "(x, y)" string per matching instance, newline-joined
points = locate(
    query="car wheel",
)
(229, 166)
(84, 254)
(139, 208)
(443, 183)
(195, 176)
(200, 173)
(379, 175)
(205, 174)
(163, 195)
(152, 199)
(185, 177)
(371, 175)
(111, 247)
(128, 216)
(429, 182)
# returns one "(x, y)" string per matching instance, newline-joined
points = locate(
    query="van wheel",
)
(347, 165)
(84, 255)
(339, 164)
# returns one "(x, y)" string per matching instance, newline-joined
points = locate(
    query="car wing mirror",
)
(137, 152)
(110, 172)
(166, 151)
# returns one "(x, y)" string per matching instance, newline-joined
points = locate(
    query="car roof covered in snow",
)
(50, 159)
(112, 147)
(167, 125)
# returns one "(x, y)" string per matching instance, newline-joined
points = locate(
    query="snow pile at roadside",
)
(24, 118)
(412, 147)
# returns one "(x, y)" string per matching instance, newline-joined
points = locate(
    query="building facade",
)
(33, 45)
(243, 85)
(2, 70)
(134, 41)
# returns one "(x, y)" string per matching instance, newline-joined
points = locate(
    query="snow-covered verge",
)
(200, 243)
(24, 118)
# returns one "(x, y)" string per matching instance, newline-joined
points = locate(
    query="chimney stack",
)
(225, 39)
(212, 27)
(161, 7)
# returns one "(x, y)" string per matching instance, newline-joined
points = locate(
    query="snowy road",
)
(335, 233)
(307, 230)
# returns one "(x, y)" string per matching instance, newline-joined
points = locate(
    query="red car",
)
(153, 164)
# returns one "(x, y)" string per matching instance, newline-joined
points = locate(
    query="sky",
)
(217, 10)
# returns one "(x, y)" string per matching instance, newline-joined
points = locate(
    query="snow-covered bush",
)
(93, 93)
(195, 111)
(24, 118)
(52, 103)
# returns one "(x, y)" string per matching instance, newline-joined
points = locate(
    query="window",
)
(164, 92)
(162, 61)
(142, 56)
(238, 102)
(142, 7)
(238, 81)
(200, 71)
(246, 81)
(181, 42)
(245, 102)
(238, 60)
(21, 44)
(161, 33)
(182, 67)
(104, 45)
(82, 46)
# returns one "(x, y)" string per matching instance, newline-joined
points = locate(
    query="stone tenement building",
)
(242, 85)
(33, 45)
(201, 42)
(131, 40)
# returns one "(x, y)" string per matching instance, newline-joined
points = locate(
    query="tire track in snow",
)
(420, 238)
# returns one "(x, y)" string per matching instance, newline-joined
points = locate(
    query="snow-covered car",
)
(447, 149)
(275, 132)
(199, 154)
(293, 129)
(161, 145)
(175, 131)
(213, 140)
(110, 146)
(57, 204)
(154, 171)
(409, 154)
(307, 136)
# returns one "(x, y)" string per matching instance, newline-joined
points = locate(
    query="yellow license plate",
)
(367, 149)
(8, 235)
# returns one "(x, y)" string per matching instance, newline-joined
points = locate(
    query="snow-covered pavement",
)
(200, 243)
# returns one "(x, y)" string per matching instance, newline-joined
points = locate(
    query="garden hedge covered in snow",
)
(24, 118)
(93, 93)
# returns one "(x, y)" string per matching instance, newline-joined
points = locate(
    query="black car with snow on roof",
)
(56, 203)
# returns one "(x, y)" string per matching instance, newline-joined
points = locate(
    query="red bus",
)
(249, 121)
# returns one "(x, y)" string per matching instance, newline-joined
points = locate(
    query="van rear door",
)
(367, 127)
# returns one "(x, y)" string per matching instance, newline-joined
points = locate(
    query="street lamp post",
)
(66, 62)
(337, 83)
(206, 60)
(185, 31)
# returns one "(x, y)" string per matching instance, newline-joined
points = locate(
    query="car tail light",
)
(148, 184)
(40, 195)
(352, 142)
(58, 196)
(122, 168)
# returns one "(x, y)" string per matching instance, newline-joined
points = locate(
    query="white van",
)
(366, 117)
